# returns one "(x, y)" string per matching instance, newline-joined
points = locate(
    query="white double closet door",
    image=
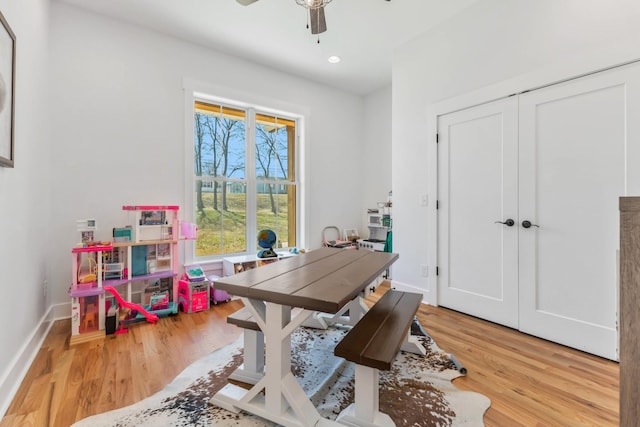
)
(558, 157)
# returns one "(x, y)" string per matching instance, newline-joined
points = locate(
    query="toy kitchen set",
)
(379, 225)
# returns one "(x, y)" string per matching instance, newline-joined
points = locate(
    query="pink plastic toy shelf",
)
(92, 249)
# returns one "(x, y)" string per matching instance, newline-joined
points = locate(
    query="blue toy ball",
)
(267, 240)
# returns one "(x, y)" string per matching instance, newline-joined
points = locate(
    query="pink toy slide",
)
(149, 316)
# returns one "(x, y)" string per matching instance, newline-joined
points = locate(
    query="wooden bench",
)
(243, 319)
(373, 344)
(252, 369)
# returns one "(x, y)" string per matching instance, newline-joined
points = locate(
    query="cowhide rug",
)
(416, 392)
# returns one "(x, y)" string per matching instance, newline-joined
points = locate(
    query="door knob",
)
(509, 222)
(527, 224)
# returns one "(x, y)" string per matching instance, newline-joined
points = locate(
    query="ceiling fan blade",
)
(246, 2)
(318, 23)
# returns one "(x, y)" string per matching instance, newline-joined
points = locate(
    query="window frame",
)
(193, 94)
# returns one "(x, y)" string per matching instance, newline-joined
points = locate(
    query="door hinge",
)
(437, 138)
(437, 204)
(437, 271)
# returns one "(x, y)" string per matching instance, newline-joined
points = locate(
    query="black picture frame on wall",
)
(7, 93)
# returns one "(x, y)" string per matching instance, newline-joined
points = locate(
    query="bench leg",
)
(316, 321)
(412, 345)
(365, 411)
(356, 308)
(252, 370)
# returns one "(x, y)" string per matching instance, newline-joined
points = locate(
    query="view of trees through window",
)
(233, 200)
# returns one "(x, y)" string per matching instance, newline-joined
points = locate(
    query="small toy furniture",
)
(217, 295)
(87, 271)
(159, 301)
(331, 238)
(193, 296)
(113, 270)
(194, 273)
(90, 317)
(162, 286)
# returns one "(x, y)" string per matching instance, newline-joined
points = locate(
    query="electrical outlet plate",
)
(424, 270)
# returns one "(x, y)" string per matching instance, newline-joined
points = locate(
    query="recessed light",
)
(334, 59)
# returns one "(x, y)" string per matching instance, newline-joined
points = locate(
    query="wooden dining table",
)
(323, 280)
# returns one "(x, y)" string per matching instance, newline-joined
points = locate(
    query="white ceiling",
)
(363, 33)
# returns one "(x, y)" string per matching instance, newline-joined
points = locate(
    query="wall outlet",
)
(424, 270)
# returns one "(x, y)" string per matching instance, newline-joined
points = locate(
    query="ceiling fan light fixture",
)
(313, 4)
(315, 17)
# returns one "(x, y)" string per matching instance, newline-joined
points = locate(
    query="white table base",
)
(284, 401)
(356, 308)
(252, 370)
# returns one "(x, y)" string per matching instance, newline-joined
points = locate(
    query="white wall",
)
(118, 126)
(24, 200)
(492, 49)
(375, 176)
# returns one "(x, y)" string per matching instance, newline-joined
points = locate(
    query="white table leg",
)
(284, 401)
(278, 353)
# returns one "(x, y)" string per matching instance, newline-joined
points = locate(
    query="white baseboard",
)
(426, 295)
(15, 373)
(24, 357)
(61, 311)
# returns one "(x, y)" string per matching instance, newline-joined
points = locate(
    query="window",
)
(244, 176)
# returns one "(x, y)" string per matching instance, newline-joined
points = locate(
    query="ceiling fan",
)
(316, 13)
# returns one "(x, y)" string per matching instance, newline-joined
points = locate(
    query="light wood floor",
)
(530, 382)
